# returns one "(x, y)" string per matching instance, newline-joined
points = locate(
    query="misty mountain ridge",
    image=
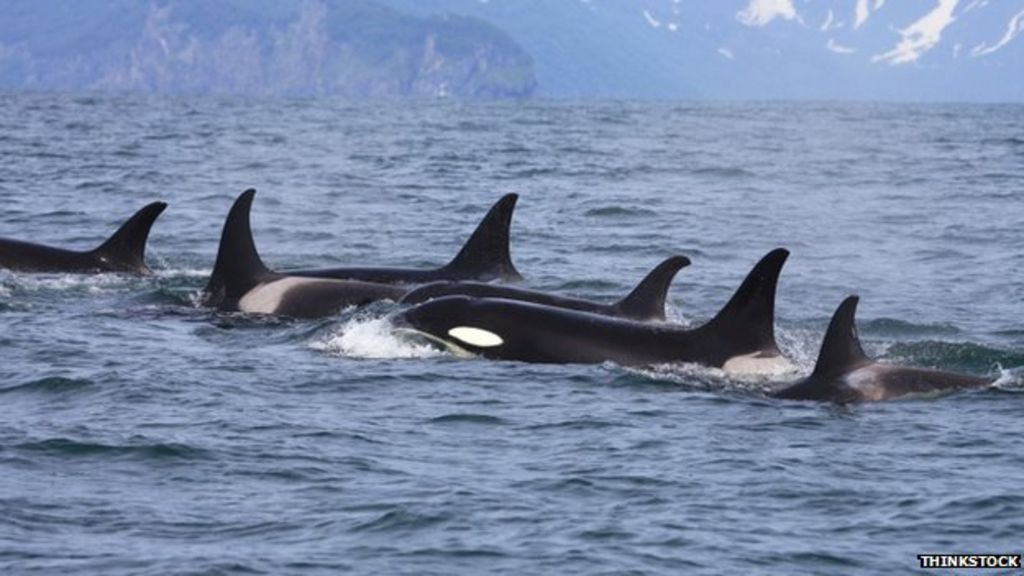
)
(929, 50)
(348, 48)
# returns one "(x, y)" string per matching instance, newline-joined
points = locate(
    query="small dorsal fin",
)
(647, 300)
(485, 256)
(840, 350)
(239, 267)
(126, 249)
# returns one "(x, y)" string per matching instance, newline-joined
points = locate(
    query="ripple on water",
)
(401, 519)
(619, 212)
(69, 448)
(145, 435)
(462, 418)
(896, 327)
(957, 356)
(53, 385)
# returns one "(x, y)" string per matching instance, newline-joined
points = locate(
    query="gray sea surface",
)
(142, 434)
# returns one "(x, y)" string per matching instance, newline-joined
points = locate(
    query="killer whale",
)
(645, 303)
(844, 374)
(740, 338)
(124, 251)
(485, 256)
(241, 282)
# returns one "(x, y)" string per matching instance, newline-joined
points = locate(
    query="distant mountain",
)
(922, 50)
(753, 49)
(348, 48)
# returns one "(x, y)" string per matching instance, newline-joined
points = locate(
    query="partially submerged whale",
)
(645, 303)
(242, 282)
(844, 374)
(485, 256)
(123, 252)
(740, 338)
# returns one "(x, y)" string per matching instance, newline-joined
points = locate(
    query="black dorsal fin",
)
(485, 256)
(647, 300)
(840, 350)
(126, 249)
(239, 267)
(748, 320)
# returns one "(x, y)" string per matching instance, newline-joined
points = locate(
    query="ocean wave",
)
(1011, 141)
(896, 327)
(401, 520)
(66, 447)
(583, 423)
(54, 385)
(957, 356)
(619, 212)
(723, 172)
(467, 419)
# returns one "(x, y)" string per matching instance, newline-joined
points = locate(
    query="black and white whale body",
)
(241, 282)
(645, 303)
(485, 256)
(125, 251)
(844, 374)
(741, 338)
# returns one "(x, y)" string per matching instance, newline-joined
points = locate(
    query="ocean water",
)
(141, 434)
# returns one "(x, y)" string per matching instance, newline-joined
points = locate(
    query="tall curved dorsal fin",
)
(486, 254)
(748, 319)
(126, 248)
(239, 267)
(840, 350)
(647, 300)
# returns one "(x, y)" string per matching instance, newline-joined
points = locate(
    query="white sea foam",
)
(179, 272)
(674, 315)
(1010, 380)
(690, 375)
(704, 377)
(801, 346)
(92, 283)
(363, 337)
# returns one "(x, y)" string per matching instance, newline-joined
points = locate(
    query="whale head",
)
(450, 320)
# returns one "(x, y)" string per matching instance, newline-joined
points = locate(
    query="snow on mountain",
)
(898, 36)
(825, 49)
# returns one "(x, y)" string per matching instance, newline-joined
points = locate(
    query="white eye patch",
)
(476, 336)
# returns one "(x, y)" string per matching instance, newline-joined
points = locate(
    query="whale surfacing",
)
(124, 251)
(506, 329)
(645, 303)
(241, 282)
(844, 374)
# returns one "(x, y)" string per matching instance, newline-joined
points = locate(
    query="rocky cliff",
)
(346, 48)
